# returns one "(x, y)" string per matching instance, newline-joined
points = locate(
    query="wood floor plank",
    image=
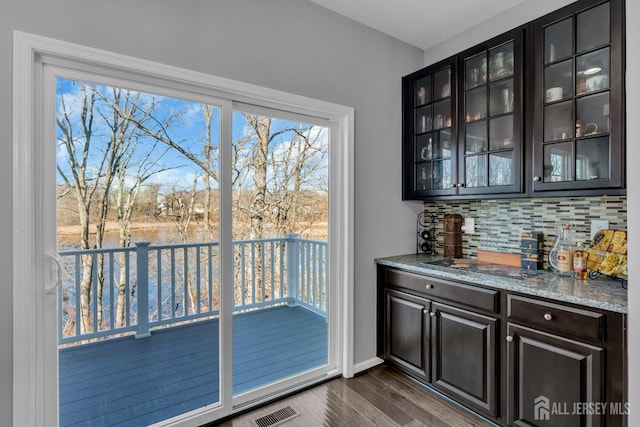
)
(357, 402)
(406, 399)
(441, 408)
(380, 399)
(361, 404)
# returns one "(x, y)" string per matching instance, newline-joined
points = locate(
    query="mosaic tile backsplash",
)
(500, 222)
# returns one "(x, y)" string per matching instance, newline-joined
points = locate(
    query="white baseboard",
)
(363, 366)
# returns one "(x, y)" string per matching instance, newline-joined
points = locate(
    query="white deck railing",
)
(137, 288)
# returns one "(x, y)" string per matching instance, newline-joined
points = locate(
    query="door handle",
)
(55, 273)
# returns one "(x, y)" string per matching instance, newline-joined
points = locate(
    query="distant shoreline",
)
(112, 226)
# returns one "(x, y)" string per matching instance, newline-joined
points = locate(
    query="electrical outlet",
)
(469, 225)
(597, 225)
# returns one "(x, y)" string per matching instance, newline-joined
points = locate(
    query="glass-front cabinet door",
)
(490, 137)
(429, 124)
(578, 136)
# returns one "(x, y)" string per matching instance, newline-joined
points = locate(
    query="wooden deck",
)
(129, 382)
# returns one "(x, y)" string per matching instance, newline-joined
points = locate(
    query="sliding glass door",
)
(157, 312)
(280, 193)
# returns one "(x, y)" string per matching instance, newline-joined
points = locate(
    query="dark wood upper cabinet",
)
(494, 121)
(430, 136)
(578, 139)
(490, 138)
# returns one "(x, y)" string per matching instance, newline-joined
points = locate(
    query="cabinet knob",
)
(537, 178)
(460, 185)
(509, 338)
(429, 286)
(547, 316)
(432, 314)
(453, 185)
(425, 311)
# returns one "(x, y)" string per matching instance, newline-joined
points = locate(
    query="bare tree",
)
(101, 154)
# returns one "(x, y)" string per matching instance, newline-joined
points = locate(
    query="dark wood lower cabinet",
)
(552, 381)
(516, 360)
(406, 336)
(464, 360)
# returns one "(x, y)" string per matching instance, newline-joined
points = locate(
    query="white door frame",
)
(35, 387)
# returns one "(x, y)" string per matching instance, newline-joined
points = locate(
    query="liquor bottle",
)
(564, 254)
(580, 262)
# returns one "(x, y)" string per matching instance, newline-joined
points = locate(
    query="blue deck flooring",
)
(129, 382)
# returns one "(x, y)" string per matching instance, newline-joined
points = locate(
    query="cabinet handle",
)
(537, 178)
(429, 287)
(432, 314)
(509, 338)
(547, 316)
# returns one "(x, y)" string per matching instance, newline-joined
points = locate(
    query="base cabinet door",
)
(464, 356)
(406, 338)
(551, 380)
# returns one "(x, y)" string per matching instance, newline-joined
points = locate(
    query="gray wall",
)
(290, 45)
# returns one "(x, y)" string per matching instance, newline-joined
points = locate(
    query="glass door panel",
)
(423, 91)
(476, 137)
(501, 62)
(280, 232)
(558, 41)
(501, 168)
(501, 98)
(593, 28)
(442, 84)
(442, 114)
(424, 119)
(476, 171)
(432, 152)
(592, 71)
(576, 90)
(558, 120)
(501, 133)
(558, 81)
(592, 159)
(476, 104)
(558, 162)
(592, 116)
(139, 299)
(489, 118)
(475, 69)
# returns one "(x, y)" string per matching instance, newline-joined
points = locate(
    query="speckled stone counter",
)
(603, 293)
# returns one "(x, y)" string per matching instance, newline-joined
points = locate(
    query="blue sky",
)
(187, 128)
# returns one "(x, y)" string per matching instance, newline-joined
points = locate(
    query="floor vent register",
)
(276, 418)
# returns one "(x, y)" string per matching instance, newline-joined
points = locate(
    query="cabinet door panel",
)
(407, 332)
(548, 375)
(578, 98)
(464, 356)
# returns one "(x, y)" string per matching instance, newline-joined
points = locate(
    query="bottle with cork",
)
(565, 252)
(580, 262)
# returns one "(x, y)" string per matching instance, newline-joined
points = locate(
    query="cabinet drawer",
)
(555, 317)
(485, 299)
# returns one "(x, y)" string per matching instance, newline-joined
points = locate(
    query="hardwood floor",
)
(379, 397)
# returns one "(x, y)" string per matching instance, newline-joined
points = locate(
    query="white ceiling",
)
(421, 23)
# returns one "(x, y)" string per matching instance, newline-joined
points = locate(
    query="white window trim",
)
(32, 378)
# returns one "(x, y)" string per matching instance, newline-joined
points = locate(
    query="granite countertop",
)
(604, 293)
